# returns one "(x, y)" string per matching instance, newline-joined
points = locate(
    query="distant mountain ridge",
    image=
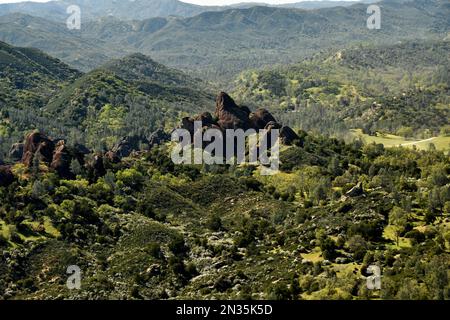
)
(222, 43)
(141, 9)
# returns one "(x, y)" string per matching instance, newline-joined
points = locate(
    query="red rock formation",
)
(55, 153)
(230, 115)
(260, 118)
(61, 160)
(37, 144)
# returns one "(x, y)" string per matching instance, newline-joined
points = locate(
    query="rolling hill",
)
(131, 96)
(220, 44)
(90, 183)
(140, 9)
(398, 89)
(29, 71)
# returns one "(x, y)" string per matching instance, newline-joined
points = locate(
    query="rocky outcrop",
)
(81, 149)
(261, 118)
(206, 118)
(127, 145)
(62, 158)
(37, 144)
(131, 144)
(230, 115)
(96, 167)
(16, 152)
(356, 191)
(56, 154)
(288, 136)
(112, 157)
(158, 137)
(188, 124)
(6, 176)
(272, 125)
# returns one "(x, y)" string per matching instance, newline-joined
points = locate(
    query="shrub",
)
(251, 183)
(214, 223)
(14, 237)
(130, 178)
(358, 247)
(328, 247)
(415, 235)
(154, 249)
(178, 246)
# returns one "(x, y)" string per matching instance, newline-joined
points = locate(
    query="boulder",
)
(356, 191)
(61, 161)
(127, 145)
(158, 137)
(230, 115)
(112, 157)
(288, 136)
(38, 144)
(16, 152)
(260, 118)
(6, 176)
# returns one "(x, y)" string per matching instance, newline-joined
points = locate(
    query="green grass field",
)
(390, 140)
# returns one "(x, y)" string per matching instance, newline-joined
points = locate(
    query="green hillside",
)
(87, 176)
(400, 89)
(131, 96)
(28, 79)
(29, 71)
(152, 230)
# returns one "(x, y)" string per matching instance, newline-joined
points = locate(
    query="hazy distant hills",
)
(220, 44)
(140, 9)
(126, 9)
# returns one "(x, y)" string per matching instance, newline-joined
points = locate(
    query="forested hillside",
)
(131, 96)
(139, 9)
(144, 228)
(218, 45)
(402, 89)
(87, 178)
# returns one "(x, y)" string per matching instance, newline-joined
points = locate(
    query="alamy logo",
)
(74, 21)
(212, 146)
(374, 281)
(374, 21)
(74, 280)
